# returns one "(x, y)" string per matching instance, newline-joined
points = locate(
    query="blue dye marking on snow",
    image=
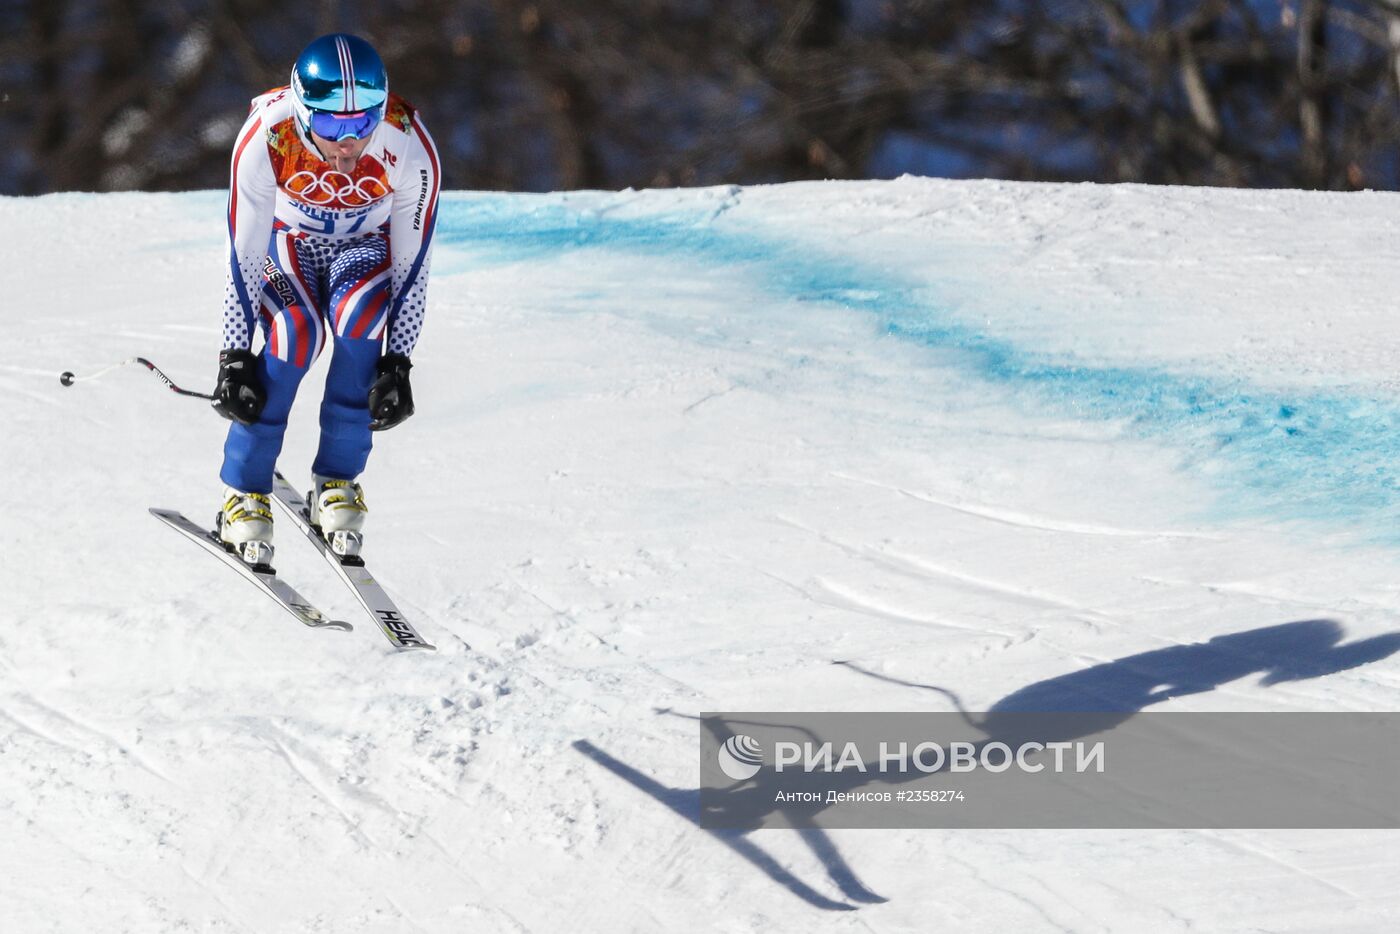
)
(1313, 456)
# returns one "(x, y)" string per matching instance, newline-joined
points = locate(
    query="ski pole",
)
(67, 378)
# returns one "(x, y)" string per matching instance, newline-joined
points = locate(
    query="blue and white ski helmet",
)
(339, 73)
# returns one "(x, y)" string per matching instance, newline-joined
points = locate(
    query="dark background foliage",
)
(557, 94)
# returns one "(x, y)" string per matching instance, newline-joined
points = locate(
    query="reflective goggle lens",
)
(336, 126)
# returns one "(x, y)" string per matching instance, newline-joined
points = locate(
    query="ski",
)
(352, 570)
(264, 578)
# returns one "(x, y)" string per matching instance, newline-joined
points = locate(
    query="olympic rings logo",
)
(336, 186)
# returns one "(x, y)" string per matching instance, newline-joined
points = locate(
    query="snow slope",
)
(819, 446)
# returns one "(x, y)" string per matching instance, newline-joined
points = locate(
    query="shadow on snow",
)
(1294, 651)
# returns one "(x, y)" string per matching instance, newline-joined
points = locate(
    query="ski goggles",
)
(337, 126)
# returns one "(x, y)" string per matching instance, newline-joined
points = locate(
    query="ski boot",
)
(245, 526)
(338, 511)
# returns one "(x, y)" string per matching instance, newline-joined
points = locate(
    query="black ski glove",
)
(391, 397)
(239, 395)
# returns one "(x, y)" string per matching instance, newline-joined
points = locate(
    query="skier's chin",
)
(342, 157)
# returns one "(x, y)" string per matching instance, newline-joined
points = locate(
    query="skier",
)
(332, 205)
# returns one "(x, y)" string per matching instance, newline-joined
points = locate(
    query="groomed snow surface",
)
(805, 447)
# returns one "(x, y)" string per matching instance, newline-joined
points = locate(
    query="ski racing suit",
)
(311, 251)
